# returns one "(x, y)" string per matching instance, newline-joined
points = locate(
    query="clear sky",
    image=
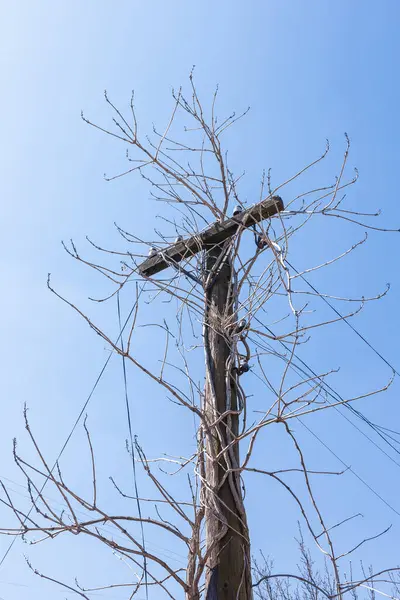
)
(310, 70)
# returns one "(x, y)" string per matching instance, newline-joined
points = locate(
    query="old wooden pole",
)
(228, 575)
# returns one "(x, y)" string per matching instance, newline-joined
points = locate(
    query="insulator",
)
(241, 325)
(178, 239)
(261, 242)
(237, 210)
(244, 368)
(152, 251)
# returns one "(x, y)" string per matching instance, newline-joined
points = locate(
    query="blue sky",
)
(310, 70)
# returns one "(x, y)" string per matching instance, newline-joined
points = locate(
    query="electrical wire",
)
(324, 384)
(8, 550)
(343, 318)
(350, 469)
(334, 394)
(376, 428)
(132, 447)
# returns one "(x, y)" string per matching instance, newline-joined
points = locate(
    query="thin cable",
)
(72, 430)
(364, 340)
(344, 319)
(363, 418)
(387, 429)
(350, 469)
(378, 430)
(353, 424)
(334, 394)
(128, 412)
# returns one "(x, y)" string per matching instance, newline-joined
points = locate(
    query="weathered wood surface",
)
(215, 234)
(228, 572)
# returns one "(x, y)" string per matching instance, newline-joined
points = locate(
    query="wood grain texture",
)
(228, 574)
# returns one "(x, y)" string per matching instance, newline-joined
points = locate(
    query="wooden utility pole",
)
(228, 575)
(227, 538)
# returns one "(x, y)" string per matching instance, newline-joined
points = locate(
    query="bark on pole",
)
(228, 575)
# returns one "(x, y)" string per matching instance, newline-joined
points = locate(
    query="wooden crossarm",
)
(215, 234)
